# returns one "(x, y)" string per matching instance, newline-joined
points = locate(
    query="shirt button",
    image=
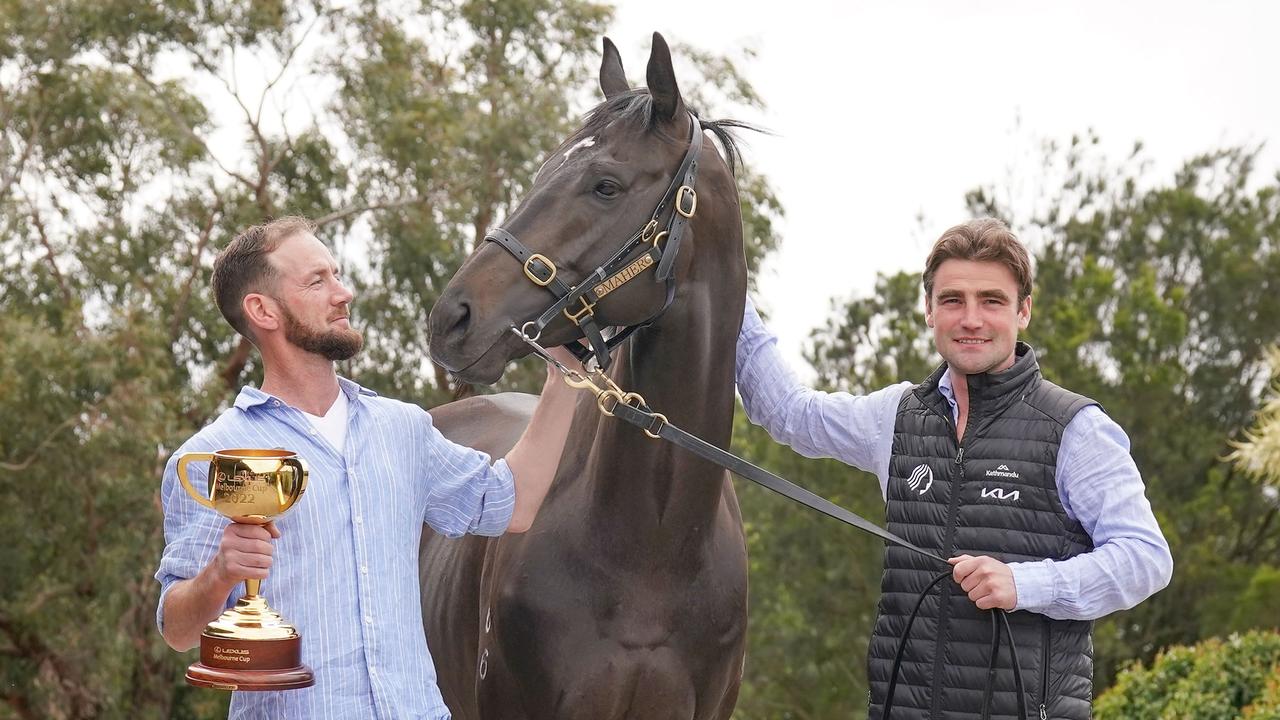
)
(373, 670)
(364, 569)
(368, 619)
(359, 520)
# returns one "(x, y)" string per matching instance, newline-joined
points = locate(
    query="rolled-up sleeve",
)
(468, 493)
(191, 531)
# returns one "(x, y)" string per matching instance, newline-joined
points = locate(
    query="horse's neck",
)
(651, 490)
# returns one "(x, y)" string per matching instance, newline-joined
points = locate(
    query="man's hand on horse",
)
(988, 582)
(566, 358)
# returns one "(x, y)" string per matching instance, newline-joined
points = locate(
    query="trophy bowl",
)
(250, 646)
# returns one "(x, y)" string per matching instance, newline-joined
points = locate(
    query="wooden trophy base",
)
(236, 664)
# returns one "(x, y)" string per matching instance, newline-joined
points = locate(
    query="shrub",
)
(1216, 680)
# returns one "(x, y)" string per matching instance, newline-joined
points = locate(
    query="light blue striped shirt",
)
(345, 569)
(1098, 482)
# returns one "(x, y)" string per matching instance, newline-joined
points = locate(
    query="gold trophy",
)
(250, 646)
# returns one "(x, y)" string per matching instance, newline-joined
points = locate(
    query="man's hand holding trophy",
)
(250, 646)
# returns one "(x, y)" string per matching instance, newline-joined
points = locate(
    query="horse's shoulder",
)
(489, 423)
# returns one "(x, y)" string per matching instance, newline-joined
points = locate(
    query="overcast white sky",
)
(886, 112)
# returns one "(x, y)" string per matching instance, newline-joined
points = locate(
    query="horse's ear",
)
(613, 81)
(662, 81)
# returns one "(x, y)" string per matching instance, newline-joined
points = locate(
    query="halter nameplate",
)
(644, 262)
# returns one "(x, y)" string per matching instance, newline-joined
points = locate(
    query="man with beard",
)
(346, 575)
(1027, 488)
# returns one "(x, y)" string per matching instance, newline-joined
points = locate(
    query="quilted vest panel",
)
(994, 494)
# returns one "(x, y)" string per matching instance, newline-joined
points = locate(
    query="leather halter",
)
(578, 302)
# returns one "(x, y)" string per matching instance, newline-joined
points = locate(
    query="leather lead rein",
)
(630, 407)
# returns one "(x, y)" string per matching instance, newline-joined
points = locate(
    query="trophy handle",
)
(300, 475)
(186, 483)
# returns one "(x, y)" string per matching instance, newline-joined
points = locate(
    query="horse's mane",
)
(637, 106)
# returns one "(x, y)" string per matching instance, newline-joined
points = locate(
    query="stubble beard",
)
(976, 366)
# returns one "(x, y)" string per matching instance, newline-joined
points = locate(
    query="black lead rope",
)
(632, 408)
(902, 644)
(646, 420)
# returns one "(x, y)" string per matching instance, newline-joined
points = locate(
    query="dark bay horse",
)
(628, 596)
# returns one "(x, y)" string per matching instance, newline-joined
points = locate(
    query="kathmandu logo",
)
(1001, 494)
(1002, 471)
(921, 479)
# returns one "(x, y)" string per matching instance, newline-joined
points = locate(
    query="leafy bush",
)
(1216, 680)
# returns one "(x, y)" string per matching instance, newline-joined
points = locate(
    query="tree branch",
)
(348, 212)
(284, 65)
(1263, 528)
(35, 454)
(20, 705)
(264, 161)
(184, 298)
(186, 128)
(235, 365)
(12, 173)
(38, 652)
(36, 603)
(50, 254)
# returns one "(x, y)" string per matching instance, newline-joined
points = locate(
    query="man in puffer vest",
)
(1028, 488)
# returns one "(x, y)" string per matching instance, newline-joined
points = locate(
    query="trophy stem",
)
(251, 587)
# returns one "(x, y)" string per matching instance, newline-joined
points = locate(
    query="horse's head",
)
(611, 191)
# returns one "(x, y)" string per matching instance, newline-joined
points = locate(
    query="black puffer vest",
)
(993, 494)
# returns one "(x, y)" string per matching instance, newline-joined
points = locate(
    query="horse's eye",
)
(607, 189)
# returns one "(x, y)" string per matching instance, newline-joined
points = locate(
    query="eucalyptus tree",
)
(1154, 295)
(138, 137)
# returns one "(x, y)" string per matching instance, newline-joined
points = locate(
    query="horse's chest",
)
(635, 608)
(656, 642)
(574, 600)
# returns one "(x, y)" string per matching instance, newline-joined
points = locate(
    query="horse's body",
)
(628, 596)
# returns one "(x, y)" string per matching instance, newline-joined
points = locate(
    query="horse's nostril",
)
(464, 318)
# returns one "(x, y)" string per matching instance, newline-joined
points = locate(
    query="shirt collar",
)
(945, 388)
(251, 397)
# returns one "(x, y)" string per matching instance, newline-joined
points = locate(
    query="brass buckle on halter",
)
(647, 233)
(658, 238)
(534, 278)
(686, 192)
(577, 317)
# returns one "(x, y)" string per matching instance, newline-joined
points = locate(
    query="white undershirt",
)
(333, 426)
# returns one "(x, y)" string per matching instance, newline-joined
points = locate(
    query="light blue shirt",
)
(345, 569)
(1098, 482)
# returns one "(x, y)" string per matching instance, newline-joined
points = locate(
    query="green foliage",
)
(136, 138)
(1215, 680)
(876, 341)
(1156, 298)
(1267, 706)
(81, 417)
(814, 587)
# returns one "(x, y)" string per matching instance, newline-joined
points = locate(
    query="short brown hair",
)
(981, 240)
(242, 267)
